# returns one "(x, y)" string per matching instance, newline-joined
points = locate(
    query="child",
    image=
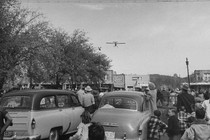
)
(82, 132)
(173, 125)
(182, 116)
(155, 126)
(191, 116)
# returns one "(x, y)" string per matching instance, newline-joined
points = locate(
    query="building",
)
(130, 81)
(202, 81)
(136, 82)
(202, 75)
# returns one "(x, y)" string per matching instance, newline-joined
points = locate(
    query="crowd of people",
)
(188, 119)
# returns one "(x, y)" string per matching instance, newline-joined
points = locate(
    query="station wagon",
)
(40, 114)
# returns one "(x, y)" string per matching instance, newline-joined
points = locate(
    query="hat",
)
(147, 89)
(185, 87)
(101, 94)
(151, 86)
(88, 88)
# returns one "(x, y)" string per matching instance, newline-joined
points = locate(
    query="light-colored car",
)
(124, 115)
(40, 114)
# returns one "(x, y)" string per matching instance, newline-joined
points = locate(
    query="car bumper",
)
(36, 137)
(125, 139)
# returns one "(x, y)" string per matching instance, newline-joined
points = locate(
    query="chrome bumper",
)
(36, 137)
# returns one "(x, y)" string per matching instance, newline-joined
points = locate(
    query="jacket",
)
(199, 130)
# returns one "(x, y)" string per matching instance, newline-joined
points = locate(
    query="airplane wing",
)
(109, 42)
(120, 43)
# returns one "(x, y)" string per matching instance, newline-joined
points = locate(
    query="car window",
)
(47, 102)
(63, 101)
(16, 102)
(120, 102)
(74, 101)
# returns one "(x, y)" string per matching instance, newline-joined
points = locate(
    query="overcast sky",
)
(158, 35)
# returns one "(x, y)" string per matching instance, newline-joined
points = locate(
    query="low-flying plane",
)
(115, 43)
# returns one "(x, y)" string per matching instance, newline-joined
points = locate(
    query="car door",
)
(77, 110)
(66, 112)
(48, 116)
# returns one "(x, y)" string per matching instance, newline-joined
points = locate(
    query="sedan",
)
(124, 115)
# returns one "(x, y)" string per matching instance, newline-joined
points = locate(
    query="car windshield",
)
(16, 102)
(119, 102)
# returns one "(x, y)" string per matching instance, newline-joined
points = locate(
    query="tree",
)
(29, 45)
(14, 21)
(84, 63)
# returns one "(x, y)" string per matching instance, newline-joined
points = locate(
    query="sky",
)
(158, 36)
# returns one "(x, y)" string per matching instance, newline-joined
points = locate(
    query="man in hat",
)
(185, 99)
(151, 97)
(88, 100)
(153, 93)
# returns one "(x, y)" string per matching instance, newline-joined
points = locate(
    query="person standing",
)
(5, 121)
(185, 99)
(155, 126)
(160, 98)
(206, 106)
(173, 125)
(166, 97)
(88, 100)
(182, 116)
(80, 93)
(153, 93)
(199, 130)
(150, 97)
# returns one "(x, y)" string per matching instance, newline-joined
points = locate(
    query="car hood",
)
(121, 121)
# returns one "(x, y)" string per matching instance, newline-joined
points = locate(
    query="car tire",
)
(54, 134)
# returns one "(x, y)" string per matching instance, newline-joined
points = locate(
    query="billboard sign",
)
(119, 80)
(108, 77)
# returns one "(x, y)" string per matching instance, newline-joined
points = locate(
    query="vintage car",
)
(41, 114)
(124, 115)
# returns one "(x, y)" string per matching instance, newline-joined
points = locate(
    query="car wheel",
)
(54, 134)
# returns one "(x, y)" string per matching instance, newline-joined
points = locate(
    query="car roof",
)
(37, 92)
(125, 93)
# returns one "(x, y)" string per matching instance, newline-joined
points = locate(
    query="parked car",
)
(124, 115)
(40, 114)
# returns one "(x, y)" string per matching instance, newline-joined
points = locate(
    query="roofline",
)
(199, 84)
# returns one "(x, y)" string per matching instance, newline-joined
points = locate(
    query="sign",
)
(109, 77)
(119, 80)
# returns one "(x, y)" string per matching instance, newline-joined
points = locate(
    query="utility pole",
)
(99, 48)
(188, 76)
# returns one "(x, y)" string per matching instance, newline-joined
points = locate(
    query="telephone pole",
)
(188, 76)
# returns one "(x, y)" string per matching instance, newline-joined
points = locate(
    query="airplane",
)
(115, 43)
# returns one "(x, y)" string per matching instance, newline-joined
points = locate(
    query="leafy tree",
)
(14, 22)
(35, 50)
(86, 65)
(29, 45)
